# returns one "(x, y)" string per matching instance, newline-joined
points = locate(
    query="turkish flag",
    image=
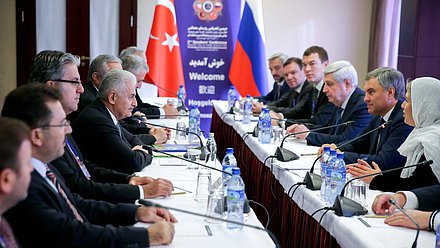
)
(163, 50)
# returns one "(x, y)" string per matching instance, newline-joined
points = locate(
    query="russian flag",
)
(248, 71)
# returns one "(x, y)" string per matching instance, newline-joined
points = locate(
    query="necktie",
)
(7, 238)
(278, 92)
(382, 121)
(119, 129)
(54, 180)
(315, 95)
(338, 116)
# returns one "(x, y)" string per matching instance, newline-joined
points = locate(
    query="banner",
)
(207, 32)
(249, 66)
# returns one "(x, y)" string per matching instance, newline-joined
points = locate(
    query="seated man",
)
(151, 111)
(15, 171)
(280, 87)
(294, 103)
(340, 86)
(98, 132)
(384, 90)
(314, 61)
(53, 216)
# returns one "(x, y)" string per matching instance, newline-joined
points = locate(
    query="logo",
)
(208, 10)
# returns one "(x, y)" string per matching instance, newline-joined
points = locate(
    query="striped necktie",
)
(54, 180)
(315, 95)
(7, 238)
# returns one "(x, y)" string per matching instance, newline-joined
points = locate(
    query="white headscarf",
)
(425, 137)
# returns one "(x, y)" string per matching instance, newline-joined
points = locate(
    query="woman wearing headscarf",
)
(422, 110)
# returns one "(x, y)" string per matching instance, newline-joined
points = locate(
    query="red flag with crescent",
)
(163, 50)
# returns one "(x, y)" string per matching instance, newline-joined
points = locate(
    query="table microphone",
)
(202, 147)
(393, 202)
(313, 181)
(347, 207)
(152, 204)
(151, 148)
(182, 107)
(284, 155)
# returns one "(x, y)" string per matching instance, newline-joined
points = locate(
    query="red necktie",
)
(7, 238)
(54, 180)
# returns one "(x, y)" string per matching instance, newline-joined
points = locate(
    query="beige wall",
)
(8, 59)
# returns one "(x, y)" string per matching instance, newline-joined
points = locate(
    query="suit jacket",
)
(385, 154)
(134, 126)
(285, 103)
(151, 111)
(99, 140)
(356, 110)
(78, 183)
(87, 97)
(44, 219)
(323, 111)
(428, 197)
(273, 94)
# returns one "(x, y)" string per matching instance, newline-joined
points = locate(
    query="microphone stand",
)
(201, 148)
(152, 204)
(344, 206)
(313, 180)
(393, 202)
(285, 155)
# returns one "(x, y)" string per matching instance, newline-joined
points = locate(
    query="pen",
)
(178, 193)
(182, 189)
(308, 154)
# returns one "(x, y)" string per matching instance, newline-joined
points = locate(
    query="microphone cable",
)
(265, 209)
(319, 226)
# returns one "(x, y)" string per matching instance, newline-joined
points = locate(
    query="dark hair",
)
(322, 53)
(12, 134)
(28, 103)
(295, 60)
(49, 65)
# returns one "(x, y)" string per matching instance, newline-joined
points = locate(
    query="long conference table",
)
(193, 231)
(291, 221)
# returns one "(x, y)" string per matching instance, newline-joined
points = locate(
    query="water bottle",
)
(194, 124)
(328, 177)
(211, 147)
(338, 177)
(437, 237)
(235, 200)
(229, 162)
(180, 97)
(266, 128)
(247, 110)
(323, 161)
(260, 123)
(232, 97)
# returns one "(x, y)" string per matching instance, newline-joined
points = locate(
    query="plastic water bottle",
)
(229, 162)
(247, 110)
(235, 200)
(211, 146)
(194, 124)
(266, 128)
(232, 97)
(260, 123)
(328, 177)
(323, 161)
(338, 177)
(180, 97)
(437, 237)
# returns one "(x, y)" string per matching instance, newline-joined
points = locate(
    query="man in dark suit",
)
(293, 104)
(15, 171)
(51, 216)
(314, 61)
(340, 86)
(384, 89)
(98, 133)
(82, 176)
(280, 87)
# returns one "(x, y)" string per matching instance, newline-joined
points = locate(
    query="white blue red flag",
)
(248, 71)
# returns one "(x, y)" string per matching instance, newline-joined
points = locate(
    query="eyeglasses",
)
(74, 82)
(65, 124)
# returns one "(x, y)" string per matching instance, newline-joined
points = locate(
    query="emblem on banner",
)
(208, 10)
